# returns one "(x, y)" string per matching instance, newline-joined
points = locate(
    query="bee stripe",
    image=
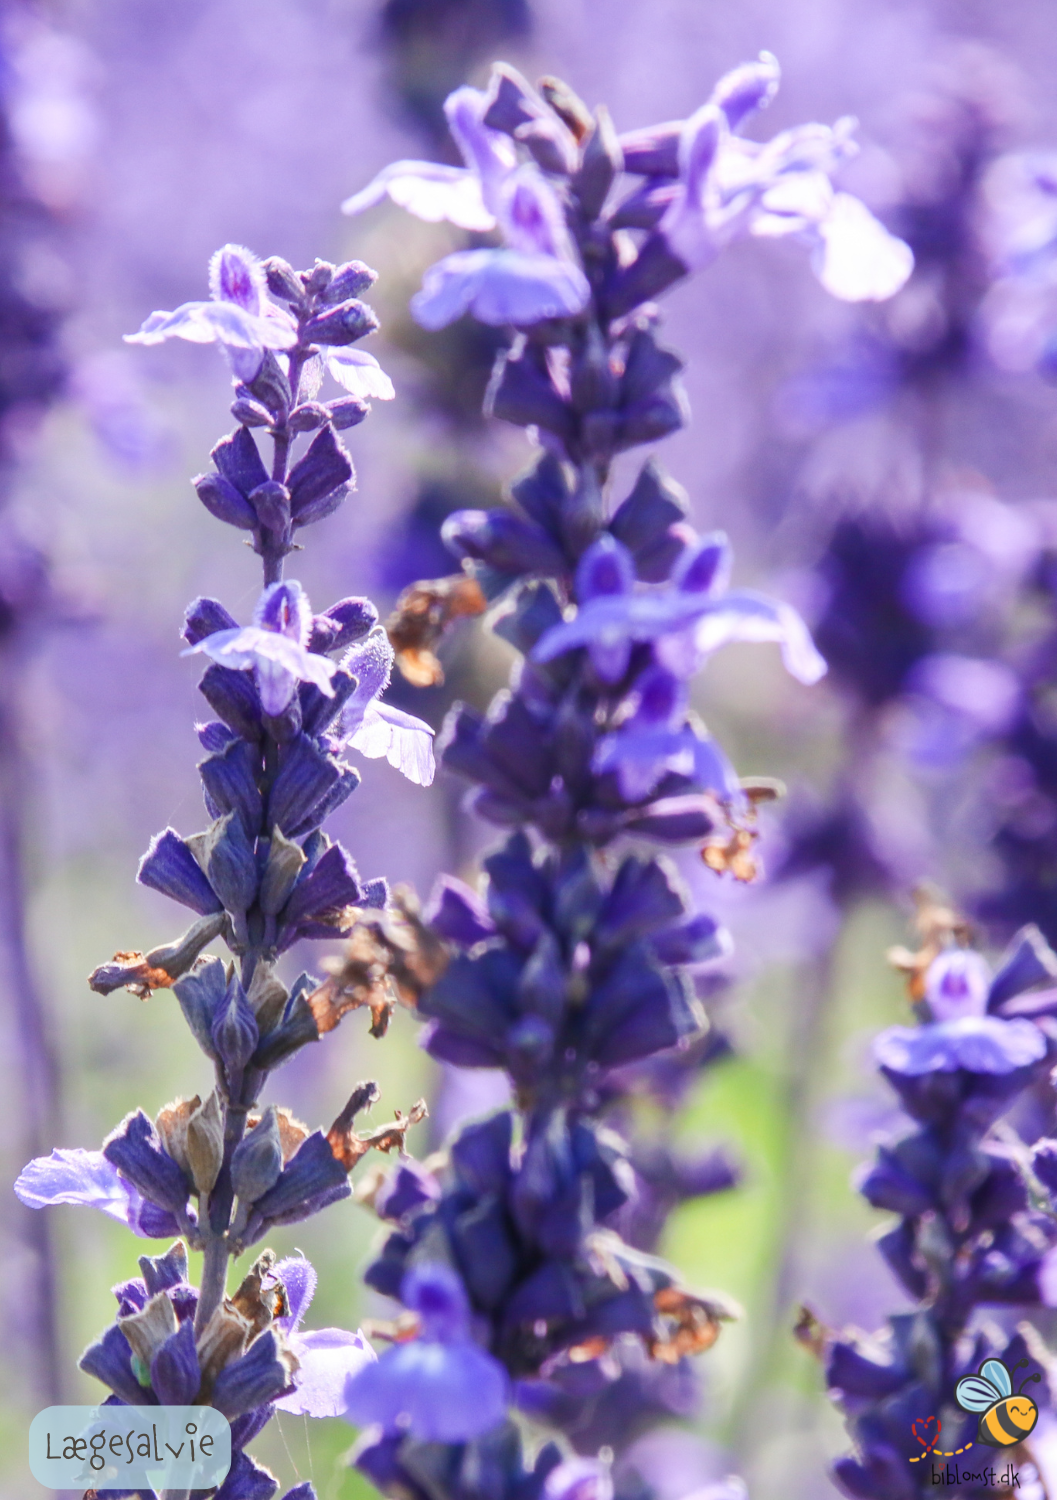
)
(999, 1417)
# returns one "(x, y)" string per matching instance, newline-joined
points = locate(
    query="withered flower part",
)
(690, 1322)
(390, 956)
(735, 855)
(162, 966)
(940, 926)
(423, 612)
(348, 1146)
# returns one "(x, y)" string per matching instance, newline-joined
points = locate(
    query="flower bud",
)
(205, 1143)
(258, 1159)
(319, 278)
(250, 413)
(319, 480)
(271, 503)
(346, 412)
(222, 500)
(285, 859)
(349, 280)
(602, 161)
(235, 1032)
(343, 324)
(307, 417)
(283, 280)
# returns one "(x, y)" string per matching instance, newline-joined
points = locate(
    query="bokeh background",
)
(140, 136)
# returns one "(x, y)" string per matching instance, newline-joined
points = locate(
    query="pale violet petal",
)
(276, 685)
(327, 1358)
(857, 259)
(299, 1279)
(500, 287)
(74, 1176)
(360, 374)
(404, 741)
(183, 323)
(746, 616)
(429, 190)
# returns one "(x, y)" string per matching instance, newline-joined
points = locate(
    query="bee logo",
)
(1007, 1418)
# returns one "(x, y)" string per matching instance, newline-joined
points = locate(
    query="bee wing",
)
(976, 1394)
(995, 1371)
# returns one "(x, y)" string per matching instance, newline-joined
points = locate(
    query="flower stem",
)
(214, 1281)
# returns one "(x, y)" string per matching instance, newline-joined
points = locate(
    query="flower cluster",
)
(576, 963)
(291, 692)
(975, 1226)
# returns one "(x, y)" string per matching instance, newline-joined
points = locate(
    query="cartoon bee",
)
(1007, 1419)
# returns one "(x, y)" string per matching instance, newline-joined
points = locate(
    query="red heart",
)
(927, 1431)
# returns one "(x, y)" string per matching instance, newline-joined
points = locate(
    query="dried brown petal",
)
(205, 1142)
(941, 926)
(147, 1330)
(423, 612)
(222, 1340)
(391, 955)
(172, 1127)
(260, 1297)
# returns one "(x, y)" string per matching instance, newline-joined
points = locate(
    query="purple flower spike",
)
(240, 318)
(328, 1357)
(442, 1386)
(274, 647)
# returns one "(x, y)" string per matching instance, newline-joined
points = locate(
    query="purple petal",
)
(447, 1393)
(236, 275)
(979, 1044)
(579, 1479)
(430, 191)
(74, 1176)
(957, 984)
(746, 616)
(747, 88)
(435, 1292)
(328, 1357)
(404, 741)
(531, 216)
(705, 568)
(360, 374)
(607, 567)
(284, 608)
(499, 287)
(457, 913)
(858, 260)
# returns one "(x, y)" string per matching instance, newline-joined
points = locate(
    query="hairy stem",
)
(214, 1281)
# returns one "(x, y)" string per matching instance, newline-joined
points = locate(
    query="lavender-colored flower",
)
(466, 196)
(378, 729)
(274, 648)
(240, 316)
(970, 1231)
(728, 186)
(326, 1357)
(88, 1179)
(441, 1385)
(535, 276)
(686, 621)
